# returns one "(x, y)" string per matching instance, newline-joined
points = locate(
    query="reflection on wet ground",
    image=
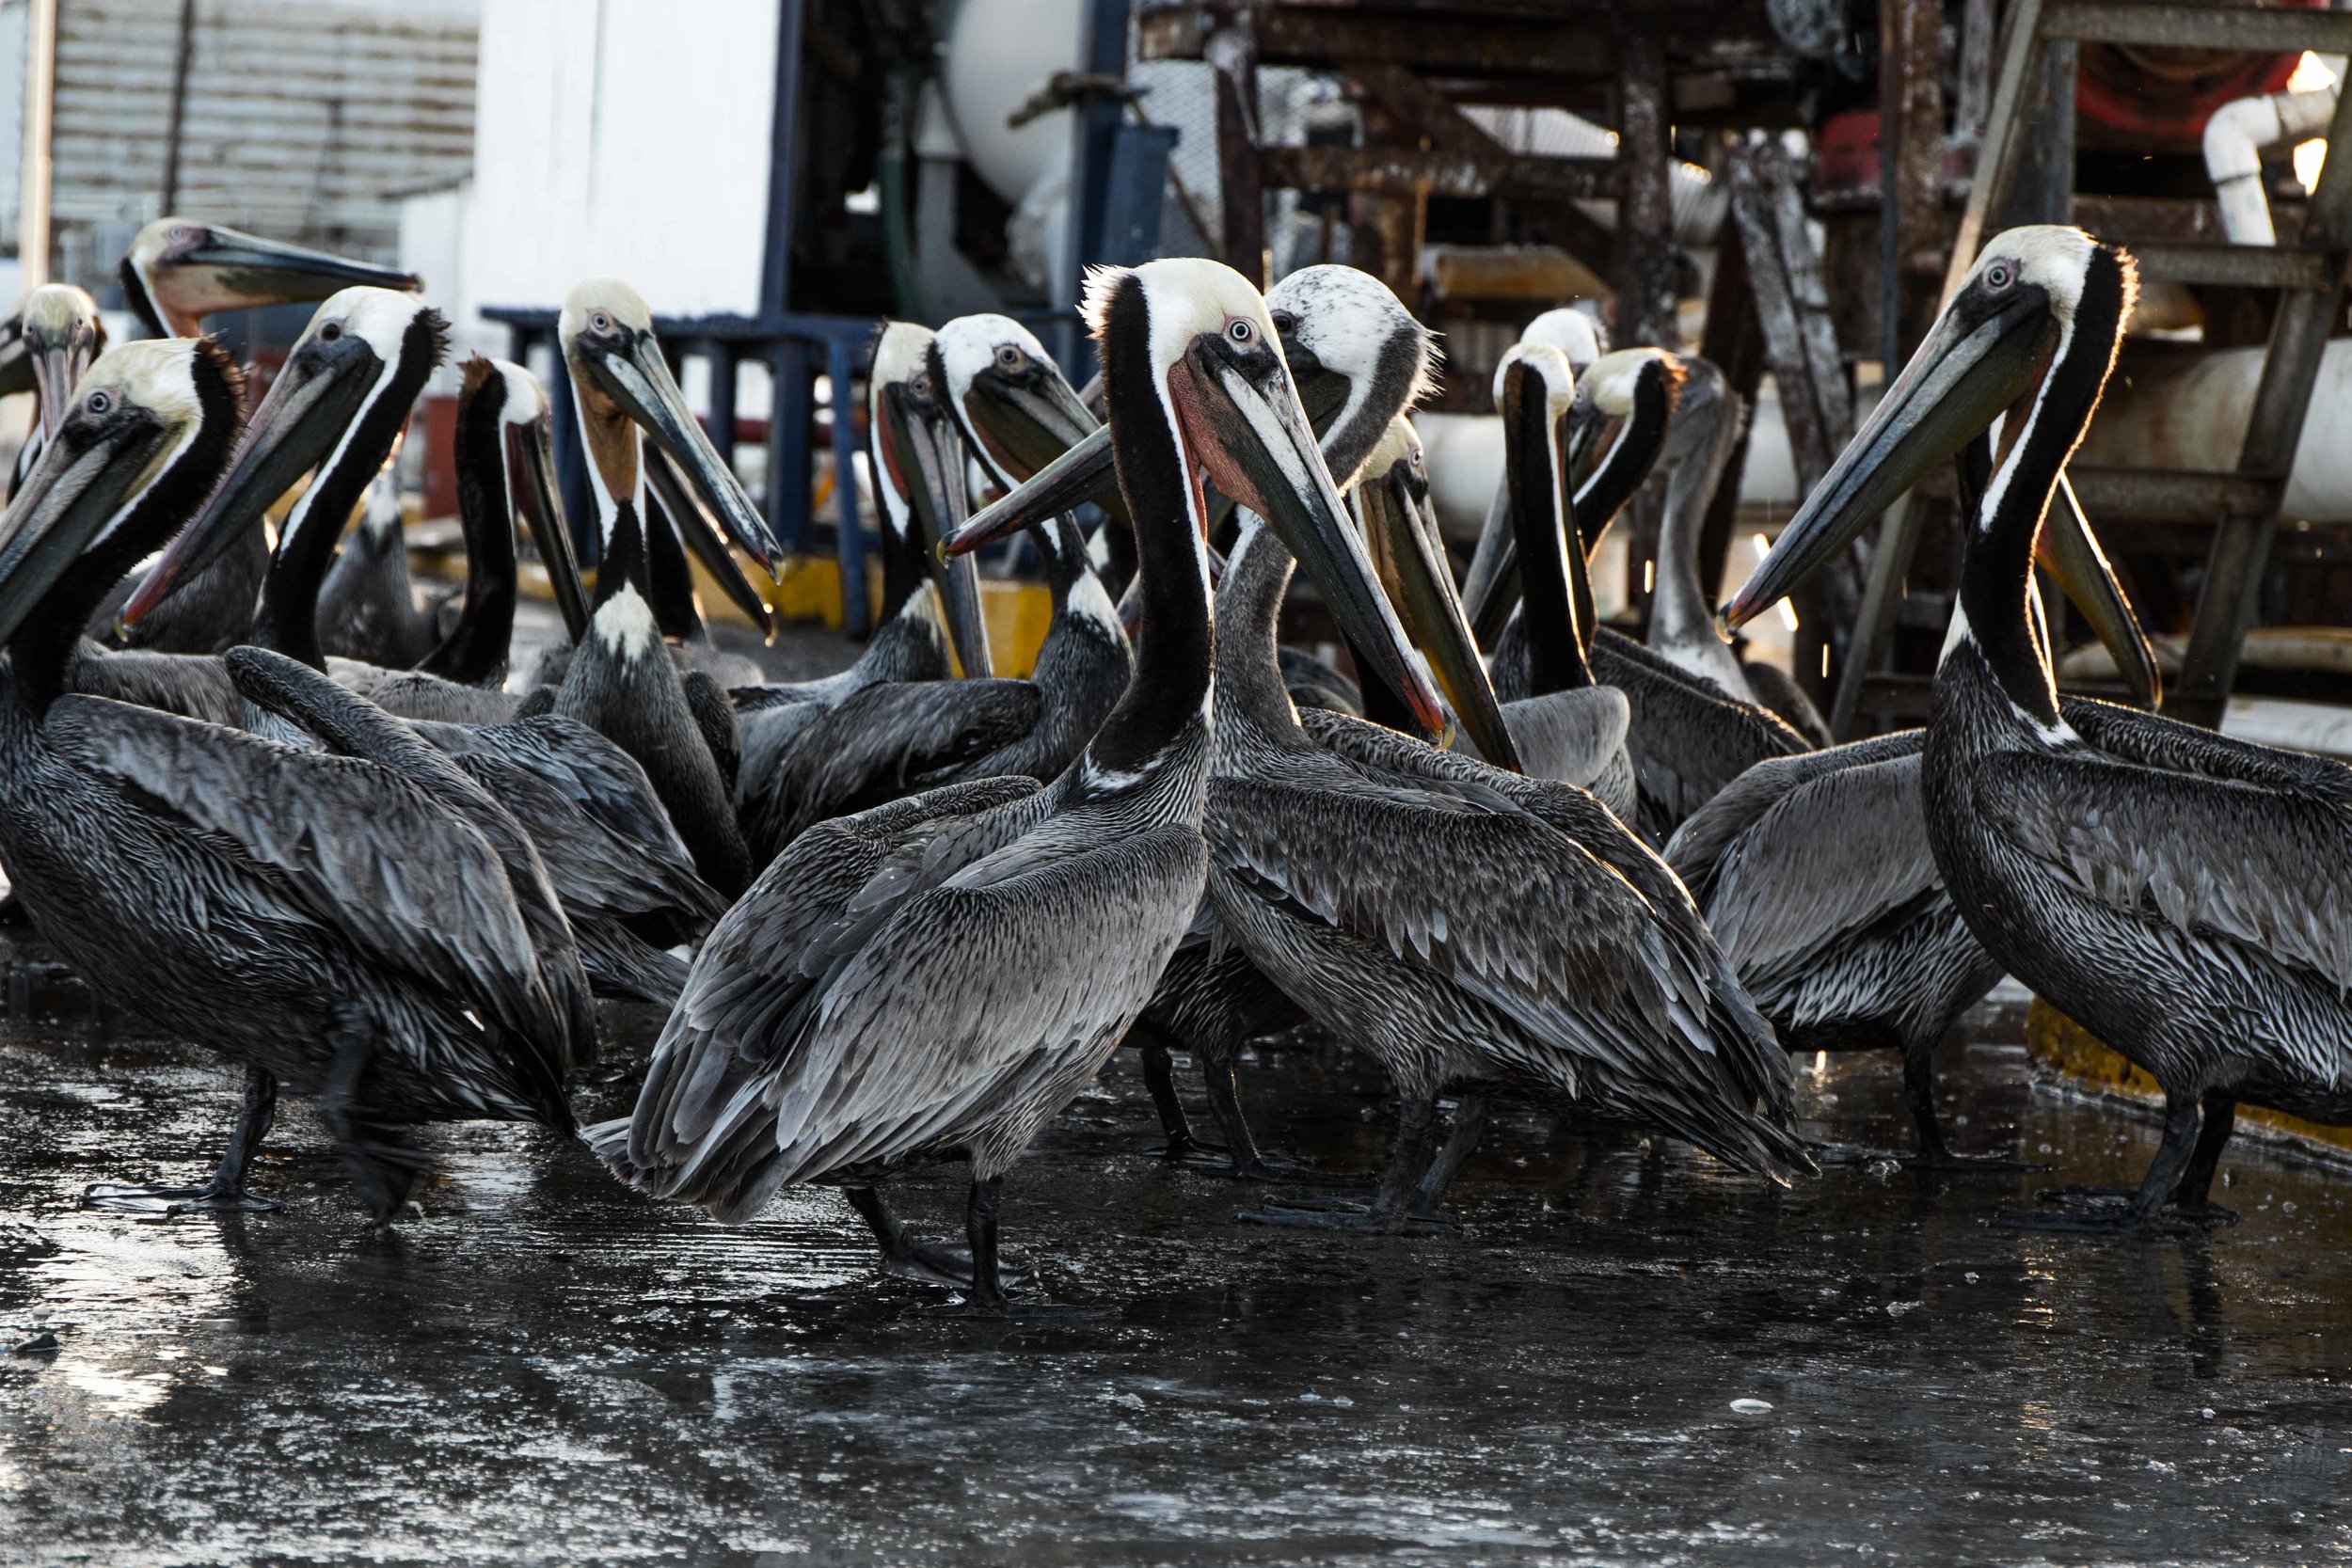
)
(1628, 1355)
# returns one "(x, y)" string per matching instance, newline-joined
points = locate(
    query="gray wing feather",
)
(361, 848)
(889, 740)
(2264, 868)
(194, 686)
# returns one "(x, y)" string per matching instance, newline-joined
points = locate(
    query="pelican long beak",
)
(1024, 422)
(705, 540)
(923, 459)
(65, 503)
(59, 370)
(1402, 541)
(531, 483)
(2072, 552)
(311, 408)
(248, 269)
(16, 357)
(1961, 378)
(1085, 472)
(1258, 447)
(635, 376)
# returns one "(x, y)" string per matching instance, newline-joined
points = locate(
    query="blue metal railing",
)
(796, 348)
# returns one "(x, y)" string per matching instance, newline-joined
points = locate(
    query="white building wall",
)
(627, 137)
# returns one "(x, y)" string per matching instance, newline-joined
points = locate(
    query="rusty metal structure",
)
(1968, 115)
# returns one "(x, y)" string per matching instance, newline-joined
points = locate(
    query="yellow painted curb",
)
(2065, 1047)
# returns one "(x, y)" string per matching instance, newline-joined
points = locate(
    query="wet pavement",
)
(1627, 1356)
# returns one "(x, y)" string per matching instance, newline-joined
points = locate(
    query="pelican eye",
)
(600, 321)
(331, 331)
(1009, 356)
(1285, 321)
(1242, 331)
(920, 384)
(99, 403)
(1998, 276)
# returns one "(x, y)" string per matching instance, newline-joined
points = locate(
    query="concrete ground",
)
(1626, 1354)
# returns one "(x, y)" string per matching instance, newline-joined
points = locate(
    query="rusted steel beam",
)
(1401, 170)
(2167, 495)
(1645, 255)
(1231, 52)
(2201, 27)
(1752, 211)
(2242, 266)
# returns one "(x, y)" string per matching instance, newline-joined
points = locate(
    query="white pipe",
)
(2235, 139)
(41, 84)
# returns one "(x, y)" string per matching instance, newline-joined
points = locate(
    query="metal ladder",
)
(2310, 272)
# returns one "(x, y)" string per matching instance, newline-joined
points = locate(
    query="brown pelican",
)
(178, 272)
(1472, 931)
(2181, 896)
(623, 877)
(1681, 615)
(1357, 357)
(917, 462)
(622, 681)
(937, 977)
(362, 927)
(58, 329)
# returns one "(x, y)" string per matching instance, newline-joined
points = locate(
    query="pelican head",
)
(917, 461)
(1358, 356)
(1995, 353)
(623, 389)
(337, 405)
(505, 430)
(179, 271)
(146, 435)
(1008, 396)
(1571, 331)
(61, 335)
(1228, 410)
(1637, 389)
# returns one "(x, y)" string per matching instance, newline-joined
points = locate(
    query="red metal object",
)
(2133, 96)
(437, 420)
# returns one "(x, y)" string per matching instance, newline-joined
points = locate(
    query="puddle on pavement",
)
(1628, 1355)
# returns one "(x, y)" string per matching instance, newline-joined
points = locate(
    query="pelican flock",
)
(262, 794)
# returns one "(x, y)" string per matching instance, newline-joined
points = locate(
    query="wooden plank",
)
(1999, 149)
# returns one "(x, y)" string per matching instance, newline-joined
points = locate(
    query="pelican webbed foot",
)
(225, 1193)
(927, 1262)
(167, 1202)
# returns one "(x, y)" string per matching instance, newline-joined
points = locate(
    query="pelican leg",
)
(1249, 1163)
(226, 1192)
(1159, 1077)
(1934, 1153)
(932, 1263)
(1427, 1204)
(383, 1164)
(2193, 1199)
(2146, 1209)
(1390, 1210)
(986, 1297)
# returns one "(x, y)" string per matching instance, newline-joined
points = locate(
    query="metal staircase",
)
(2307, 270)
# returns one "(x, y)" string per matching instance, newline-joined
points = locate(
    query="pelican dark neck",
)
(141, 300)
(289, 621)
(1630, 459)
(902, 567)
(1250, 685)
(474, 652)
(1997, 572)
(1173, 672)
(1681, 616)
(1548, 565)
(42, 653)
(669, 579)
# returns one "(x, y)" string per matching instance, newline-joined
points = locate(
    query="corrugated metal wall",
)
(305, 120)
